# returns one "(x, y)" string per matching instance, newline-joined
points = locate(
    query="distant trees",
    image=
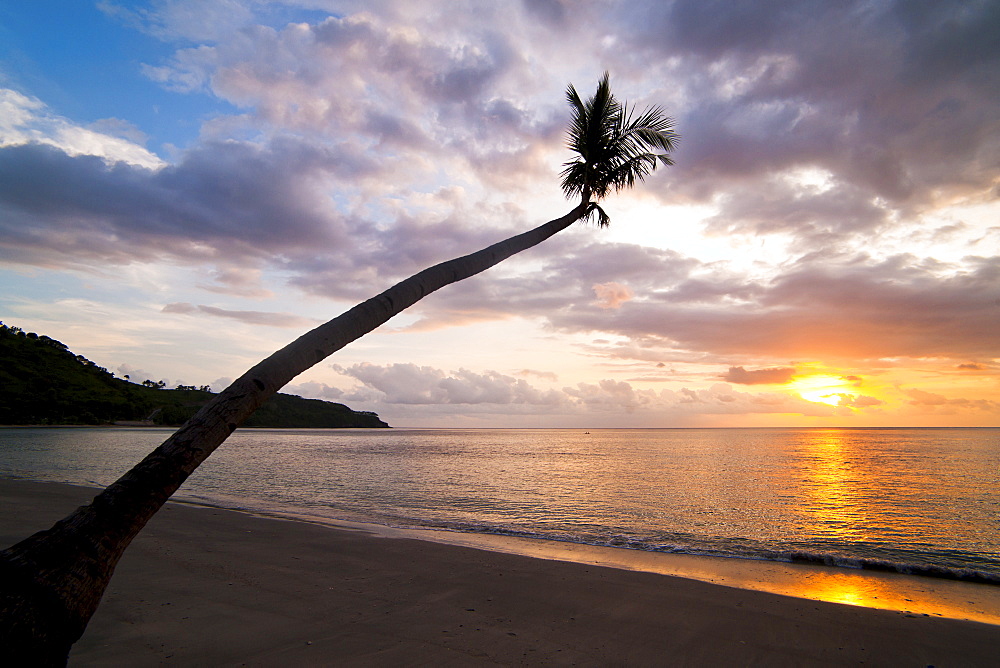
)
(42, 382)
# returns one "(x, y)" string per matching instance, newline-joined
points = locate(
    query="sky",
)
(188, 185)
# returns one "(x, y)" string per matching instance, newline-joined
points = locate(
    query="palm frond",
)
(594, 211)
(614, 147)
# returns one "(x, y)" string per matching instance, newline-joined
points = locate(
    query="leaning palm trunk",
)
(52, 582)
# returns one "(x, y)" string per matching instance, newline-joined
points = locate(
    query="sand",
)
(209, 587)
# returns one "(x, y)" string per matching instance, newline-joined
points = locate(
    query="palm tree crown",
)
(614, 147)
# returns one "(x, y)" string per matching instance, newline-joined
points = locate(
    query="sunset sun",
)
(824, 389)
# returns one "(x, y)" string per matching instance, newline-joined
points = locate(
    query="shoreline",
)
(210, 586)
(881, 589)
(877, 588)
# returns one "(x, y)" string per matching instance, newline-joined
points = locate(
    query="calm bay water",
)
(913, 500)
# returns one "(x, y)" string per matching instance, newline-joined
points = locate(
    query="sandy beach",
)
(209, 587)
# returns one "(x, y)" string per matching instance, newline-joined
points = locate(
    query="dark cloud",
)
(972, 366)
(226, 204)
(863, 92)
(774, 376)
(551, 12)
(829, 309)
(710, 290)
(571, 265)
(812, 216)
(224, 201)
(383, 254)
(895, 100)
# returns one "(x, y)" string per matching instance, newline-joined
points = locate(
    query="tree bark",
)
(52, 582)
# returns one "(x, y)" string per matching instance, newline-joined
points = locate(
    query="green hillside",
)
(43, 382)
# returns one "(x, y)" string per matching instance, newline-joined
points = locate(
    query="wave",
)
(859, 556)
(872, 564)
(905, 564)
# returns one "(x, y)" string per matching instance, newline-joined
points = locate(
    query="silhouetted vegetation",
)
(43, 383)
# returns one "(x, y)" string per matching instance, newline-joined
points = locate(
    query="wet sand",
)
(202, 587)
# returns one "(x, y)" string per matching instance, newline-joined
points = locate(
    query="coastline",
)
(215, 587)
(969, 600)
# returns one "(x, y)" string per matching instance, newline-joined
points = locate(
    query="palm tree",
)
(612, 146)
(52, 582)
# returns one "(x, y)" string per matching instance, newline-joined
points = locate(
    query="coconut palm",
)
(52, 582)
(612, 146)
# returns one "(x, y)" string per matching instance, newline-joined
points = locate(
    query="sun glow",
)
(822, 389)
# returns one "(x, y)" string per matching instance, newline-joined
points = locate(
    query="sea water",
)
(922, 501)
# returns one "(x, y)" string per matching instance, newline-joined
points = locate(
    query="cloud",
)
(921, 398)
(371, 103)
(932, 401)
(543, 375)
(389, 386)
(611, 395)
(227, 203)
(849, 307)
(973, 366)
(719, 399)
(811, 215)
(775, 376)
(184, 19)
(238, 281)
(785, 85)
(858, 401)
(612, 295)
(314, 390)
(27, 120)
(248, 317)
(560, 277)
(135, 375)
(470, 98)
(403, 85)
(412, 384)
(278, 204)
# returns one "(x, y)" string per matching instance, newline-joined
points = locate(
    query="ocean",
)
(916, 501)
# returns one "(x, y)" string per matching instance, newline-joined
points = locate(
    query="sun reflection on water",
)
(830, 477)
(832, 587)
(891, 591)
